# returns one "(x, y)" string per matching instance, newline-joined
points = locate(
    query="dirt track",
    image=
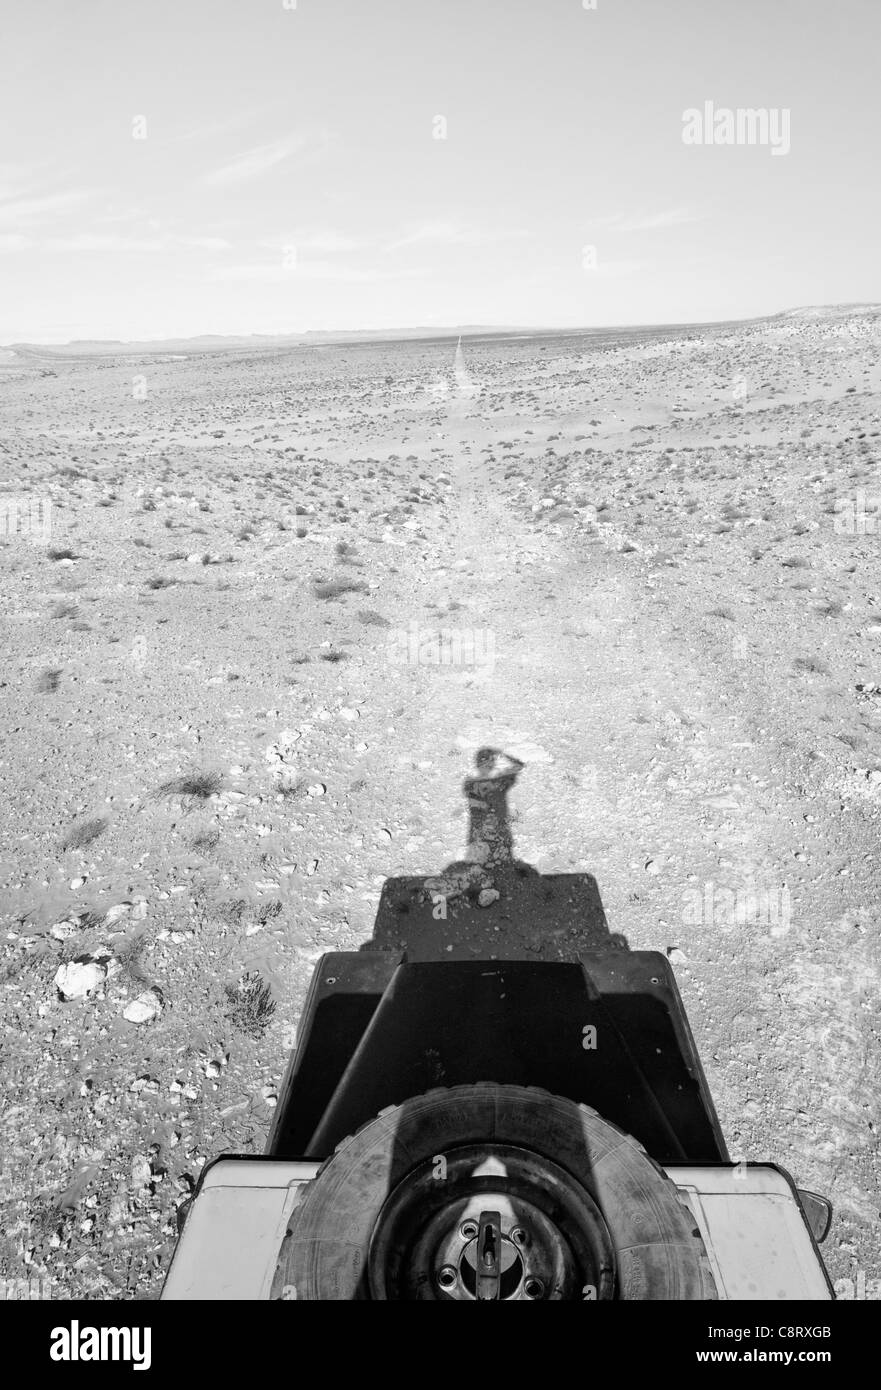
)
(657, 618)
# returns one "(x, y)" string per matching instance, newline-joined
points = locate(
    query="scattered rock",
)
(145, 1085)
(142, 1173)
(78, 979)
(65, 929)
(146, 1007)
(113, 914)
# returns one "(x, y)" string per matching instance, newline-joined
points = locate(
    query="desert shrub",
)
(335, 588)
(84, 834)
(206, 840)
(197, 785)
(249, 1005)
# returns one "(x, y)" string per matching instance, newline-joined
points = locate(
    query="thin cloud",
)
(114, 216)
(112, 242)
(614, 270)
(277, 274)
(16, 180)
(646, 222)
(330, 243)
(448, 233)
(205, 243)
(215, 128)
(35, 209)
(673, 217)
(325, 243)
(99, 241)
(255, 162)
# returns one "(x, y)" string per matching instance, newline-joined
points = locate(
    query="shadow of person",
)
(490, 842)
(490, 904)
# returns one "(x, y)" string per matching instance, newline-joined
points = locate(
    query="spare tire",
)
(571, 1205)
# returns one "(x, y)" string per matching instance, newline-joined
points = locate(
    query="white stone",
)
(114, 913)
(77, 979)
(147, 1006)
(142, 1173)
(62, 930)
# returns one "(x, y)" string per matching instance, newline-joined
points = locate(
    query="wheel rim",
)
(490, 1222)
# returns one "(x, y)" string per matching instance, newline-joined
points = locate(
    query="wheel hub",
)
(490, 1222)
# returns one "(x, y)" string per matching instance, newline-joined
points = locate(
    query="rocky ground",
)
(283, 600)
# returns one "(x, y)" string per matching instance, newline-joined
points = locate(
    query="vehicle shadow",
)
(490, 904)
(390, 1078)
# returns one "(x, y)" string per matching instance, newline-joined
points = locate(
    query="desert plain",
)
(260, 609)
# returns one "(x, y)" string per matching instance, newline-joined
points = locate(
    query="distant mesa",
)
(216, 342)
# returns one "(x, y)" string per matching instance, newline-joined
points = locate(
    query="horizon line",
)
(427, 331)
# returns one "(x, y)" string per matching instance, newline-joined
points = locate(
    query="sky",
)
(182, 167)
